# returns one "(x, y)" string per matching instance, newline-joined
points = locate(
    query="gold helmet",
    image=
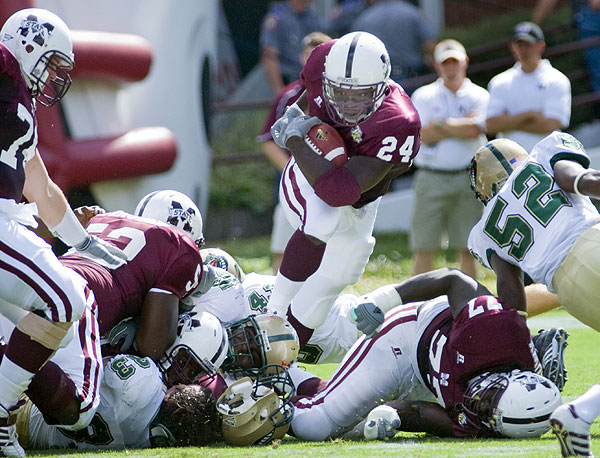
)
(257, 412)
(259, 341)
(492, 165)
(217, 257)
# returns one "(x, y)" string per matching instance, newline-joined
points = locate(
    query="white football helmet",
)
(198, 351)
(217, 257)
(259, 341)
(355, 77)
(514, 404)
(42, 44)
(492, 165)
(174, 208)
(257, 412)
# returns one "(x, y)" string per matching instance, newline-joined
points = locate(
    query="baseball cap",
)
(527, 31)
(449, 49)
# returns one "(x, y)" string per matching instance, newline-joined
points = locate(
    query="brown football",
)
(327, 142)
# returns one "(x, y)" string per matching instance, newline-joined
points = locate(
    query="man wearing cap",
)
(452, 111)
(531, 99)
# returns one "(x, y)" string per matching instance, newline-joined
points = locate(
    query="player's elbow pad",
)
(337, 187)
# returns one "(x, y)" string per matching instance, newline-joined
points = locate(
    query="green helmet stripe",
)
(496, 152)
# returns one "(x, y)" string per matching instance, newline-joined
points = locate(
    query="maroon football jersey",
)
(392, 133)
(483, 336)
(160, 256)
(18, 131)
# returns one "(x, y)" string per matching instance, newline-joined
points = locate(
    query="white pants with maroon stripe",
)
(373, 372)
(81, 359)
(347, 232)
(32, 278)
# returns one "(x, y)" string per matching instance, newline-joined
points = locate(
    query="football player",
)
(457, 365)
(164, 267)
(36, 55)
(539, 219)
(136, 411)
(334, 208)
(132, 411)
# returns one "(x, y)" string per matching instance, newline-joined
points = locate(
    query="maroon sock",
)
(26, 352)
(304, 333)
(301, 257)
(55, 394)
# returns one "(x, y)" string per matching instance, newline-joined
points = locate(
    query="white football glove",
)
(382, 423)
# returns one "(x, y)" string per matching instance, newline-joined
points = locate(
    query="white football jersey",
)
(131, 394)
(532, 222)
(230, 301)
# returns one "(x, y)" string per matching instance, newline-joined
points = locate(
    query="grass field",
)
(391, 263)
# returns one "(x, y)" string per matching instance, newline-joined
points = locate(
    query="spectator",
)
(531, 99)
(281, 35)
(282, 229)
(586, 17)
(343, 15)
(452, 111)
(406, 33)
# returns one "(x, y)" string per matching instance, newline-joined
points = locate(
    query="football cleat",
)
(550, 346)
(9, 440)
(572, 432)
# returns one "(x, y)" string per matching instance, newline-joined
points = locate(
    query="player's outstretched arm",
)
(458, 286)
(572, 177)
(509, 284)
(427, 417)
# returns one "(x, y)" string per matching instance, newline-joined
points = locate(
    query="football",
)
(327, 142)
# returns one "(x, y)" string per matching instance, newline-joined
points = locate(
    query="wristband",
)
(385, 297)
(70, 230)
(576, 183)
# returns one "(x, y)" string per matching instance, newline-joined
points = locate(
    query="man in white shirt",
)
(452, 111)
(532, 98)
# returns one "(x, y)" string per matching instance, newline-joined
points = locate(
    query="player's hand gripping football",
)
(294, 123)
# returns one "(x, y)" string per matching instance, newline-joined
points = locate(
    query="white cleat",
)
(572, 432)
(9, 441)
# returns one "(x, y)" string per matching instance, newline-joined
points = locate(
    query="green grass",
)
(390, 263)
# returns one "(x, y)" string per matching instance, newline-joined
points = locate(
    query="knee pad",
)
(312, 424)
(43, 331)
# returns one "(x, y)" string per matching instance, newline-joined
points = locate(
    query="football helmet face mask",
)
(257, 412)
(259, 341)
(199, 350)
(492, 165)
(355, 77)
(174, 208)
(515, 404)
(42, 44)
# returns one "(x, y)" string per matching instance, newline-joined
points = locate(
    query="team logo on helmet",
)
(39, 31)
(180, 217)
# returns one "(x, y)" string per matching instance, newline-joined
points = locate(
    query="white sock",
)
(283, 293)
(588, 404)
(14, 380)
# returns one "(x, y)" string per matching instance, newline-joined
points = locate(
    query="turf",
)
(390, 263)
